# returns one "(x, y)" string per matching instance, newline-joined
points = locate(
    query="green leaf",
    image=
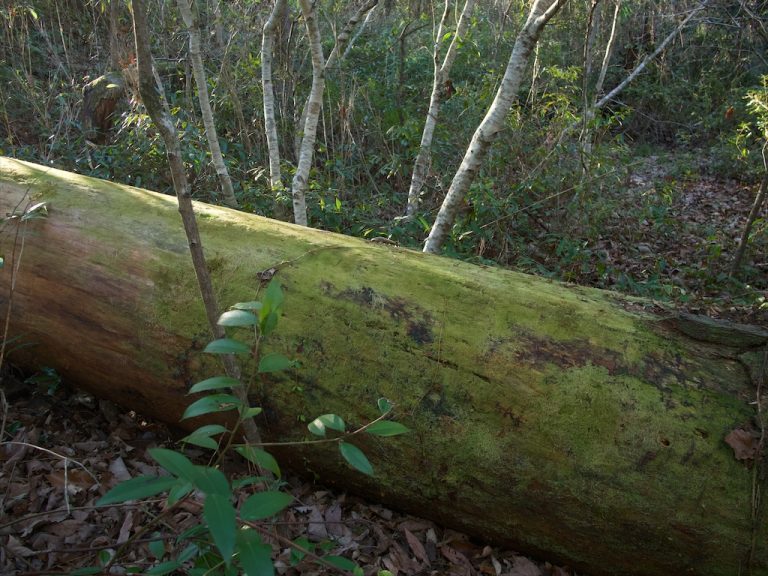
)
(255, 556)
(164, 568)
(220, 516)
(386, 428)
(210, 481)
(202, 441)
(175, 462)
(298, 555)
(227, 346)
(210, 430)
(215, 383)
(274, 297)
(275, 363)
(104, 556)
(188, 553)
(157, 547)
(137, 488)
(238, 318)
(356, 458)
(252, 411)
(269, 323)
(319, 425)
(196, 531)
(202, 436)
(259, 457)
(341, 562)
(178, 492)
(270, 309)
(247, 305)
(385, 406)
(264, 505)
(212, 403)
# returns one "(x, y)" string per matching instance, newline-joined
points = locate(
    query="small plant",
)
(230, 540)
(46, 379)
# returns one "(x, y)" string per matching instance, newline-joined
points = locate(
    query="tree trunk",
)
(440, 81)
(552, 418)
(314, 103)
(270, 124)
(300, 181)
(491, 125)
(189, 15)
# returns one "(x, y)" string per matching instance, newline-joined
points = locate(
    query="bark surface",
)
(555, 419)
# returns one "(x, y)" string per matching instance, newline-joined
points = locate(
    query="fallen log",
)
(556, 419)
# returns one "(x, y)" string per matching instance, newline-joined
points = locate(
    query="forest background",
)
(646, 192)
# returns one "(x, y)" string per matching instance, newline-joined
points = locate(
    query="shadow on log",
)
(547, 417)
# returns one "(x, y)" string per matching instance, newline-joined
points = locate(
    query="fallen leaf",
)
(334, 524)
(15, 548)
(454, 556)
(416, 547)
(125, 529)
(119, 470)
(524, 567)
(316, 529)
(745, 443)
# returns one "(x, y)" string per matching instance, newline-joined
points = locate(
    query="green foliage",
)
(229, 538)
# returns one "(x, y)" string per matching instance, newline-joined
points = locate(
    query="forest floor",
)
(50, 525)
(672, 234)
(62, 450)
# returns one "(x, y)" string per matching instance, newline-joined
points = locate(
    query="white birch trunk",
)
(228, 194)
(343, 43)
(315, 100)
(441, 76)
(368, 18)
(541, 12)
(314, 105)
(270, 124)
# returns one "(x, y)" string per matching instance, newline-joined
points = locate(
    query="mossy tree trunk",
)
(548, 417)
